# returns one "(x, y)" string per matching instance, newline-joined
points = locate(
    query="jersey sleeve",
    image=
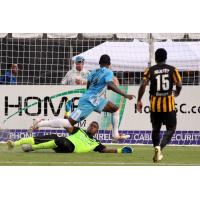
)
(176, 76)
(146, 74)
(109, 76)
(99, 148)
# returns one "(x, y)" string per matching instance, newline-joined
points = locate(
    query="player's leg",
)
(156, 120)
(114, 110)
(41, 142)
(44, 145)
(80, 113)
(27, 143)
(156, 143)
(58, 144)
(64, 145)
(156, 134)
(170, 122)
(11, 144)
(54, 123)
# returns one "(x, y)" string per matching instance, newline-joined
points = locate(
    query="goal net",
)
(43, 60)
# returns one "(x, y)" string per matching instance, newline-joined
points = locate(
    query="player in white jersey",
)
(98, 81)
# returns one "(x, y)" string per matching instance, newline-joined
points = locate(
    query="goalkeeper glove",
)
(125, 149)
(68, 107)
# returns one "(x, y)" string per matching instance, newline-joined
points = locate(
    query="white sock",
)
(115, 124)
(55, 123)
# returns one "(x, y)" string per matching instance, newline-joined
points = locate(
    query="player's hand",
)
(139, 106)
(175, 93)
(129, 96)
(125, 149)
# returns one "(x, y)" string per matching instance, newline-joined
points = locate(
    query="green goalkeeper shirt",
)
(84, 142)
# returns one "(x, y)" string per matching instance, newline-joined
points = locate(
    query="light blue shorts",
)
(86, 107)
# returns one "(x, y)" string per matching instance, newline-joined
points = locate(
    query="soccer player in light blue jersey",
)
(98, 81)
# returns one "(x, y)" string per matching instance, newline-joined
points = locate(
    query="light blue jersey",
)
(98, 80)
(91, 99)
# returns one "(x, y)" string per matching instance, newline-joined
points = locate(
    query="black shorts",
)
(165, 118)
(63, 144)
(45, 138)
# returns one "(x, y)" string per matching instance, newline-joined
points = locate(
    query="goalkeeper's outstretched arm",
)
(125, 149)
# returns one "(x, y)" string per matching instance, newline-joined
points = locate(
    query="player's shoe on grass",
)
(26, 147)
(35, 124)
(10, 144)
(158, 154)
(120, 137)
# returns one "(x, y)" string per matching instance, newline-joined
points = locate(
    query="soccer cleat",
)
(120, 137)
(10, 144)
(35, 124)
(27, 147)
(158, 154)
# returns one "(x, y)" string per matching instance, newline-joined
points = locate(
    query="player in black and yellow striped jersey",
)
(162, 78)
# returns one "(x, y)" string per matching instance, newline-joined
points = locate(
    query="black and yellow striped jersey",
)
(162, 78)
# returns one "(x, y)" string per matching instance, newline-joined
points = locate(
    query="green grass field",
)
(142, 156)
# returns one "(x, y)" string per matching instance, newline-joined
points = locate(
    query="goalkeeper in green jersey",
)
(79, 141)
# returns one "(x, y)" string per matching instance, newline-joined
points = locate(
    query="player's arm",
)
(103, 149)
(114, 88)
(115, 81)
(110, 85)
(178, 89)
(178, 82)
(72, 130)
(142, 88)
(141, 93)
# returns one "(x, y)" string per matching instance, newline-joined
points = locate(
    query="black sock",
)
(166, 138)
(156, 137)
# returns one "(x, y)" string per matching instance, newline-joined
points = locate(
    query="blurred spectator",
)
(9, 78)
(77, 75)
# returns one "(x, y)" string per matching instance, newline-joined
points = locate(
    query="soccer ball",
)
(26, 147)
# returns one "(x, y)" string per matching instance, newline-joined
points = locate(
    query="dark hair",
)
(160, 55)
(104, 60)
(96, 123)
